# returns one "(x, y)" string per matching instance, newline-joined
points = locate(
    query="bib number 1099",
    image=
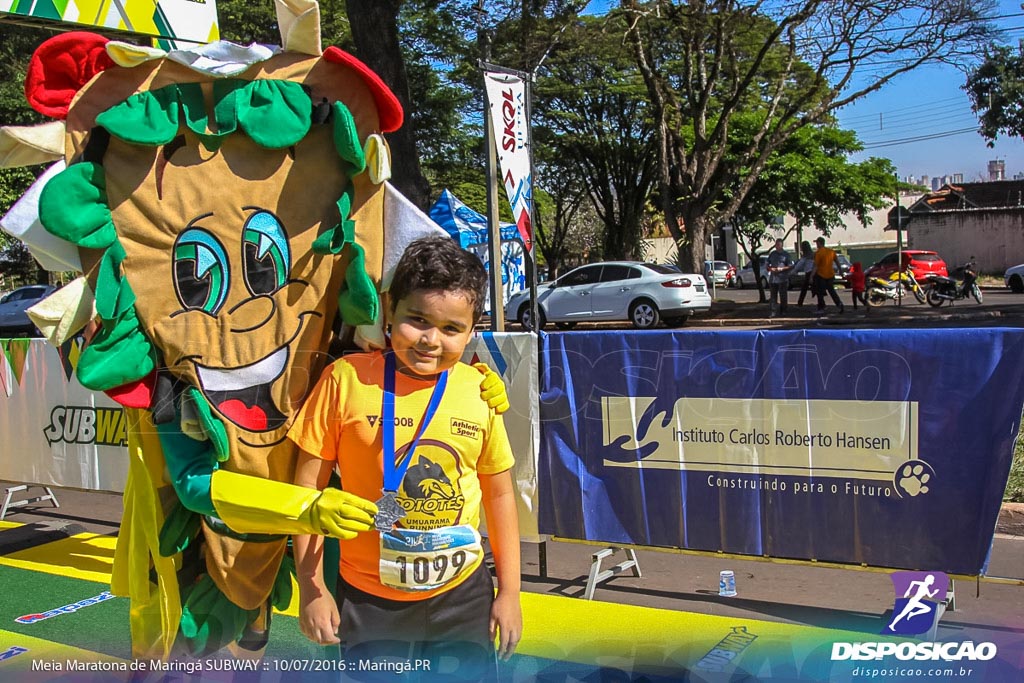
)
(426, 571)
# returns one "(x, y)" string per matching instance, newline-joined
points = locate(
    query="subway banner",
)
(876, 447)
(174, 23)
(55, 431)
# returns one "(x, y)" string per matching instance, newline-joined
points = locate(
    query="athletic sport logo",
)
(918, 595)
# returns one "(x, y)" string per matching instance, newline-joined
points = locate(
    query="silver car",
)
(642, 293)
(13, 318)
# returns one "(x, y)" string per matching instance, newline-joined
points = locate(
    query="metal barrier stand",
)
(598, 576)
(9, 503)
(949, 603)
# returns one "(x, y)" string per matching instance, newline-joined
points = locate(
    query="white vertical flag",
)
(506, 94)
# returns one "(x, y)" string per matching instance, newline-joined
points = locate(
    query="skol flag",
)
(506, 96)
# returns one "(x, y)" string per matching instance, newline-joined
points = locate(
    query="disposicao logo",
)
(66, 609)
(918, 595)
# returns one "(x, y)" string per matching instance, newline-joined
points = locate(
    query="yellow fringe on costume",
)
(155, 609)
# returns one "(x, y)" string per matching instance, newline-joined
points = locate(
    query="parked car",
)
(1014, 278)
(921, 263)
(13, 318)
(642, 293)
(745, 275)
(722, 273)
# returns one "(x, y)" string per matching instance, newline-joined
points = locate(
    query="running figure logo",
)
(917, 597)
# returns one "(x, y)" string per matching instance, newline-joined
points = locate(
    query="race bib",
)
(413, 560)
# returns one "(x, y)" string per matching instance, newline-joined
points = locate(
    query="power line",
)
(960, 118)
(883, 121)
(899, 109)
(920, 138)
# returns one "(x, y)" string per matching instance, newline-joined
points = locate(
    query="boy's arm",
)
(503, 533)
(318, 613)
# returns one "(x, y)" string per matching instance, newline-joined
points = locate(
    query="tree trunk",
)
(375, 32)
(691, 251)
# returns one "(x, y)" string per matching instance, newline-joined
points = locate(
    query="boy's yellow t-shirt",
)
(340, 421)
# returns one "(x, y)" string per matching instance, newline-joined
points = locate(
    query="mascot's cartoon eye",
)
(265, 253)
(201, 271)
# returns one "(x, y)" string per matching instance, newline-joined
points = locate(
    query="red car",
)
(921, 263)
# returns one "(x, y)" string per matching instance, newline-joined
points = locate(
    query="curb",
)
(1011, 519)
(844, 319)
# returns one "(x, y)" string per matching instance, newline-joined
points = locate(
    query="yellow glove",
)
(342, 514)
(252, 505)
(492, 389)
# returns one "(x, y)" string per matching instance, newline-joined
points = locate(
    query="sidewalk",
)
(728, 313)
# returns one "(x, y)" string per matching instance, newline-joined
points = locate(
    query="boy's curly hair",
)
(439, 263)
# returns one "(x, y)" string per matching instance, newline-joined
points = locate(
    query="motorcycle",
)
(945, 289)
(880, 290)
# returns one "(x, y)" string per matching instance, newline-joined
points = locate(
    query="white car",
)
(1014, 278)
(642, 293)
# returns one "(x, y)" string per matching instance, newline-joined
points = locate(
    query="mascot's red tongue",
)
(253, 419)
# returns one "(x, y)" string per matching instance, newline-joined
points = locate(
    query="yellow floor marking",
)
(85, 556)
(555, 627)
(39, 650)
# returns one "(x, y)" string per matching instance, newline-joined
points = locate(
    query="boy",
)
(410, 423)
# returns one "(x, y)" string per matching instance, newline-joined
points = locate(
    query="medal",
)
(388, 511)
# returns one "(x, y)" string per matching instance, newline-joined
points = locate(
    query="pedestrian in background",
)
(779, 266)
(825, 264)
(857, 285)
(805, 266)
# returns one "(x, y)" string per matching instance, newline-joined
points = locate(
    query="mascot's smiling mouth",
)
(243, 395)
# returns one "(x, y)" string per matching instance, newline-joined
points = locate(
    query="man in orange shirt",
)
(825, 264)
(410, 423)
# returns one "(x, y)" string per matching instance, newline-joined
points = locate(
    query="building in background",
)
(997, 169)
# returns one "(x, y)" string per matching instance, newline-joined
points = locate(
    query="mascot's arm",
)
(249, 504)
(492, 389)
(252, 505)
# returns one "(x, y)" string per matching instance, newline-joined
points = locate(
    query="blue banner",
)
(877, 447)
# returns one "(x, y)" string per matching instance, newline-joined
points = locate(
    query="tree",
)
(704, 62)
(811, 179)
(566, 222)
(996, 89)
(594, 121)
(16, 46)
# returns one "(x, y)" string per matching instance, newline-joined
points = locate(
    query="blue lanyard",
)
(394, 471)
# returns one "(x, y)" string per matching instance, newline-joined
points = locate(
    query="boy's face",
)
(430, 331)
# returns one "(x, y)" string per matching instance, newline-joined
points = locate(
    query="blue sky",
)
(926, 103)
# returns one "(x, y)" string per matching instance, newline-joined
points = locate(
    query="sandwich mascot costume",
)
(225, 205)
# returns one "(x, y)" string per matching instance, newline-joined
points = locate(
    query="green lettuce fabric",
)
(212, 426)
(146, 118)
(275, 114)
(333, 241)
(209, 621)
(180, 527)
(346, 140)
(73, 206)
(358, 302)
(119, 353)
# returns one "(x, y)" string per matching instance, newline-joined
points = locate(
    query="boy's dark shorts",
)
(445, 637)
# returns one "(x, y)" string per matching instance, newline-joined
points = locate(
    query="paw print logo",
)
(913, 478)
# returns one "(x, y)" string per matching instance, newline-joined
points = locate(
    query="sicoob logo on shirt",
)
(431, 495)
